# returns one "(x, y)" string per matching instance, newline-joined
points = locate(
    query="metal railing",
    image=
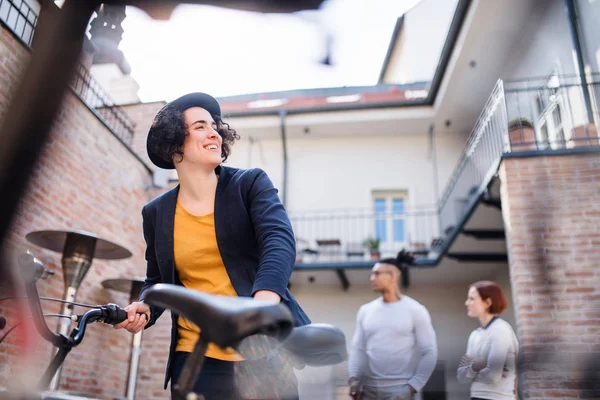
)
(340, 235)
(481, 155)
(20, 18)
(550, 113)
(92, 94)
(542, 114)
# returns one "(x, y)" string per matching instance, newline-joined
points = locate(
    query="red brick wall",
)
(551, 210)
(86, 179)
(143, 114)
(13, 58)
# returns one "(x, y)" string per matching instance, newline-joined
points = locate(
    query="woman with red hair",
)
(491, 358)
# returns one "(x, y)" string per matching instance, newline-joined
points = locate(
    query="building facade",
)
(428, 166)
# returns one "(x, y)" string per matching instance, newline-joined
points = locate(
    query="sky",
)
(227, 52)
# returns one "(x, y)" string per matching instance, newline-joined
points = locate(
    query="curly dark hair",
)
(403, 259)
(169, 130)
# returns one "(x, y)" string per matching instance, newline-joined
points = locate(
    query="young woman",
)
(222, 231)
(491, 358)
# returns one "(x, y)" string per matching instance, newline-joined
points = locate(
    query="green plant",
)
(519, 123)
(372, 243)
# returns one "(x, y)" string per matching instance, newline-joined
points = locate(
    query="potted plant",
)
(373, 245)
(521, 134)
(418, 247)
(583, 136)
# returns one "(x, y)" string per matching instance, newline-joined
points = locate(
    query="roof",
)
(381, 95)
(325, 98)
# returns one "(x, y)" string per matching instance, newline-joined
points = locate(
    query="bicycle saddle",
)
(223, 320)
(317, 345)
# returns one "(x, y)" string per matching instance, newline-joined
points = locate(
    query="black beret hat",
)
(190, 100)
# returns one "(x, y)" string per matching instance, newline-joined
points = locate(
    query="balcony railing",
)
(532, 115)
(551, 113)
(545, 115)
(327, 236)
(95, 97)
(478, 163)
(21, 19)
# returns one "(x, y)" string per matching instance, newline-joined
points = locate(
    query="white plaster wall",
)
(589, 16)
(545, 42)
(338, 173)
(425, 26)
(121, 88)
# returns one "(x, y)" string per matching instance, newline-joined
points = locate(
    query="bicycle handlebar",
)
(32, 270)
(110, 314)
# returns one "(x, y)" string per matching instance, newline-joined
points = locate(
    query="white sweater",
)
(497, 344)
(394, 344)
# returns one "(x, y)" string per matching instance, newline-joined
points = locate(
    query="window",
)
(552, 127)
(21, 17)
(551, 110)
(390, 219)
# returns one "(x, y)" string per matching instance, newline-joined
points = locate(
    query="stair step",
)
(479, 257)
(485, 233)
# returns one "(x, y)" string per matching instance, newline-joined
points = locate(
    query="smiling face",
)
(476, 306)
(202, 146)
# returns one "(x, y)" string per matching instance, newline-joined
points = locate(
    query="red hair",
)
(491, 290)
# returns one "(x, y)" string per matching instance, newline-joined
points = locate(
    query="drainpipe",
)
(576, 36)
(433, 154)
(282, 114)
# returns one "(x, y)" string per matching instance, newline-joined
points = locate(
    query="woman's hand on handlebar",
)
(138, 315)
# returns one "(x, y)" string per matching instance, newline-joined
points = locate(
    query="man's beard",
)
(378, 289)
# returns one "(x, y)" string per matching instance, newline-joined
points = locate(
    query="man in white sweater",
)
(394, 349)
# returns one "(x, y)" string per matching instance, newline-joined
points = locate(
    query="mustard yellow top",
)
(200, 267)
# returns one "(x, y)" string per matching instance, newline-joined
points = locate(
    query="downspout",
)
(433, 154)
(282, 114)
(576, 36)
(434, 165)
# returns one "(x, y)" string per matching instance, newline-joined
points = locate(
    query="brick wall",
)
(552, 216)
(143, 114)
(86, 179)
(13, 58)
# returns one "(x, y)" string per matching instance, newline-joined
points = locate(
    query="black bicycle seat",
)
(317, 344)
(223, 320)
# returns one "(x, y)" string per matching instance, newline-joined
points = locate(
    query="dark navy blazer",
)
(254, 236)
